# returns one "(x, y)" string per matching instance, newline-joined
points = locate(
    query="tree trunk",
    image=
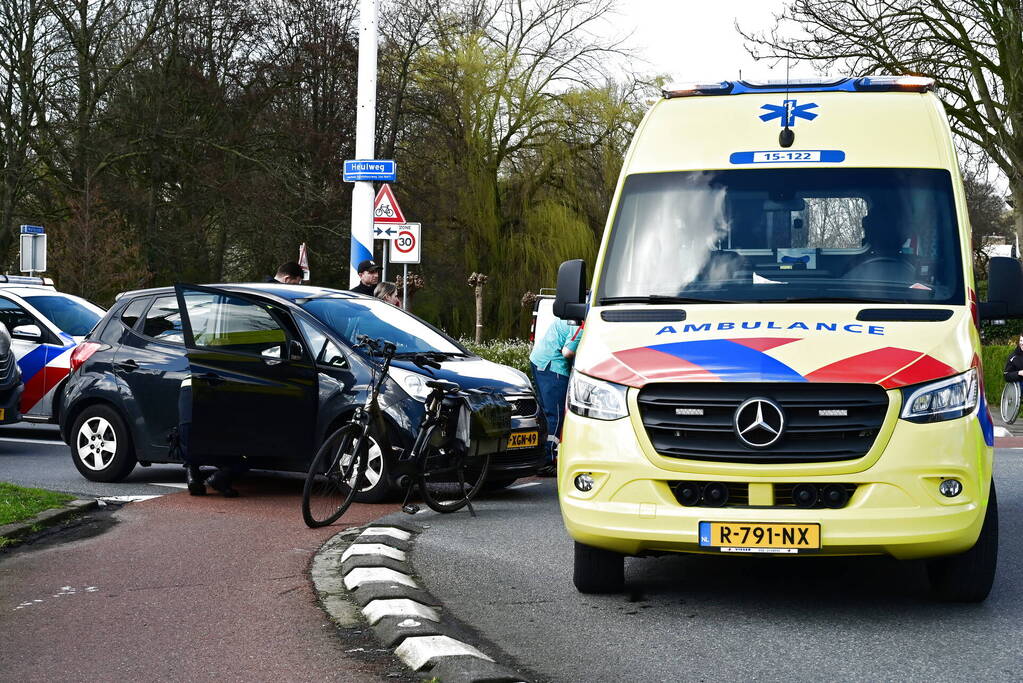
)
(479, 313)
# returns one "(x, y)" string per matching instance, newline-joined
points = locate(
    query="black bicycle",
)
(448, 461)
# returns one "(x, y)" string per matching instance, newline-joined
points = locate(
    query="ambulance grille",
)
(704, 430)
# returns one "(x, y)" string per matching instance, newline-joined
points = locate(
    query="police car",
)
(45, 325)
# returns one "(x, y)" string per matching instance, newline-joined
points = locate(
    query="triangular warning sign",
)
(385, 207)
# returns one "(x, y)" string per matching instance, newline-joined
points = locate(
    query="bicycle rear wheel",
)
(450, 478)
(330, 485)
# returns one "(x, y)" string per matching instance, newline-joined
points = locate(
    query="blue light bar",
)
(797, 85)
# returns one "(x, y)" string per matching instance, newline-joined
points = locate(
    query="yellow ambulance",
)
(781, 351)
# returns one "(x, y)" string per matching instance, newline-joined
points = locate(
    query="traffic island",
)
(363, 577)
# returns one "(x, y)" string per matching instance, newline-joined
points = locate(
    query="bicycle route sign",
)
(386, 214)
(406, 244)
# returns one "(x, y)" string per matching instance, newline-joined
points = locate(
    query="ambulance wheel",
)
(101, 446)
(968, 577)
(597, 570)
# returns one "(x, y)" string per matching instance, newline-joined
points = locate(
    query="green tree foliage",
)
(202, 140)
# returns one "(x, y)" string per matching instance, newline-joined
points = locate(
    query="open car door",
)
(254, 387)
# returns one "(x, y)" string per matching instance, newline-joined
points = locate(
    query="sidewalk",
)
(182, 588)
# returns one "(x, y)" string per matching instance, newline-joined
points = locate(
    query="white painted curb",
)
(376, 610)
(361, 575)
(373, 549)
(419, 651)
(391, 531)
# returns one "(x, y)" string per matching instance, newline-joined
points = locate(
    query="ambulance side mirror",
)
(1004, 289)
(570, 300)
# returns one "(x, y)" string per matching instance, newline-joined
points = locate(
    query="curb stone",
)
(47, 518)
(405, 618)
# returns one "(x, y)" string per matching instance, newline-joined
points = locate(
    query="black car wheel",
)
(101, 446)
(968, 577)
(378, 474)
(597, 570)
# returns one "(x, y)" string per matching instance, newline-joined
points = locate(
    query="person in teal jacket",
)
(552, 361)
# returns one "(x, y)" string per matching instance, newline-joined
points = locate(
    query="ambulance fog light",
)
(950, 488)
(584, 482)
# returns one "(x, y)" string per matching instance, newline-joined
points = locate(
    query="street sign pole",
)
(365, 131)
(404, 287)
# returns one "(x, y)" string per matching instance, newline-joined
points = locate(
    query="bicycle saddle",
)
(443, 385)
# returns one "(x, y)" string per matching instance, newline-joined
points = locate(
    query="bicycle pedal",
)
(410, 509)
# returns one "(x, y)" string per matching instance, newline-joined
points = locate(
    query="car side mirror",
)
(1004, 289)
(30, 333)
(295, 351)
(570, 300)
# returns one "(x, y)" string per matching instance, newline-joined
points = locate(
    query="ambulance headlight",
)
(413, 383)
(945, 399)
(596, 398)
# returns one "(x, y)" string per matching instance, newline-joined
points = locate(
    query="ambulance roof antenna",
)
(787, 136)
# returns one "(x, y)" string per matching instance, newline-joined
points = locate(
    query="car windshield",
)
(378, 320)
(785, 235)
(70, 314)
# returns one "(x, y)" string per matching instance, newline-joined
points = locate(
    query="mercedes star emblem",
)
(759, 422)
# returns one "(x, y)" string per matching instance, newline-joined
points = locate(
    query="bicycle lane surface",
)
(182, 588)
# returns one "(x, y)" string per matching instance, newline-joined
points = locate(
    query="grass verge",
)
(18, 503)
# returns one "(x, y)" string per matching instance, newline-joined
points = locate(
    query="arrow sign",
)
(383, 233)
(385, 207)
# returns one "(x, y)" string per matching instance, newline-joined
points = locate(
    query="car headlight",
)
(413, 383)
(945, 399)
(596, 398)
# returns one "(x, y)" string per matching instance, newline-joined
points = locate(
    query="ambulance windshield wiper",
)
(830, 300)
(659, 299)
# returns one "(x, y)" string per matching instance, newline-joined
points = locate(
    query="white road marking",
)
(357, 577)
(42, 441)
(64, 591)
(373, 549)
(128, 499)
(391, 531)
(1002, 431)
(419, 651)
(167, 484)
(376, 610)
(525, 486)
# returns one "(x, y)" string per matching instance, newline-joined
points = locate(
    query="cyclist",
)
(1014, 365)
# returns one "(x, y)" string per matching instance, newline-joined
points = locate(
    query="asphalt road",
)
(508, 574)
(33, 455)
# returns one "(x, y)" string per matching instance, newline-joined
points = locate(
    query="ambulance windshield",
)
(876, 235)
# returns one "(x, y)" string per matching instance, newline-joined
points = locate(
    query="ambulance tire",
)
(115, 458)
(968, 577)
(597, 570)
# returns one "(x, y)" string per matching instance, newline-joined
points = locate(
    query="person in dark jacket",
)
(1014, 365)
(369, 277)
(289, 273)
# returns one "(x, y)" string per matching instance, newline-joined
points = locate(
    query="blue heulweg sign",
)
(381, 170)
(32, 230)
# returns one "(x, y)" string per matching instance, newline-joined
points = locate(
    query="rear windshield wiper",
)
(659, 299)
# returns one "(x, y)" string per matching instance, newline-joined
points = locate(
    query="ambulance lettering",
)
(852, 328)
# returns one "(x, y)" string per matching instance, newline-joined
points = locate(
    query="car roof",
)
(288, 292)
(29, 290)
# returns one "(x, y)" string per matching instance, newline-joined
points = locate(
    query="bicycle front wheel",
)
(450, 478)
(1010, 402)
(334, 477)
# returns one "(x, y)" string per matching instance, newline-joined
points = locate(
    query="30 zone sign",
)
(406, 245)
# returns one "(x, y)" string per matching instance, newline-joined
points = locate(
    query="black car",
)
(273, 370)
(10, 380)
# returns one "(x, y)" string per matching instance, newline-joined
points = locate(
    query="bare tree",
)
(973, 48)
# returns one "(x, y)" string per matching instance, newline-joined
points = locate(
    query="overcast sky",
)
(697, 40)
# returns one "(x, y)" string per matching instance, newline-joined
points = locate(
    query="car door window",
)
(131, 313)
(224, 322)
(333, 356)
(14, 315)
(163, 321)
(314, 338)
